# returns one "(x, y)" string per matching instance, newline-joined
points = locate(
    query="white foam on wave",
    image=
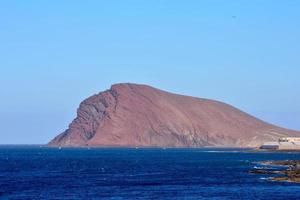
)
(262, 167)
(221, 151)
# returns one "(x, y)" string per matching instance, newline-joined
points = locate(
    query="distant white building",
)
(287, 143)
(289, 139)
(270, 145)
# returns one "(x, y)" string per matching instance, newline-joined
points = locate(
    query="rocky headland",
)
(131, 115)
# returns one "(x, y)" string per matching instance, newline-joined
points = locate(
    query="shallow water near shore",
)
(33, 172)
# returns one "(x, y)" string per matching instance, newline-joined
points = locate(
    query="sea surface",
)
(33, 172)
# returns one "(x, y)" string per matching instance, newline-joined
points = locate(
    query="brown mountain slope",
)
(139, 115)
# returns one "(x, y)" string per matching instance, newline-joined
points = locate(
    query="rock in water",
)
(140, 115)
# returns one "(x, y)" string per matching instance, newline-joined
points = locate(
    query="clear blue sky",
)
(54, 54)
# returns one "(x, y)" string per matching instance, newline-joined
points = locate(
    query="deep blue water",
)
(47, 173)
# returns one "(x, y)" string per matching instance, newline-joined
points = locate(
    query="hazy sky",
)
(54, 54)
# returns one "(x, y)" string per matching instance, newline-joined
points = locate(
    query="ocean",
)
(33, 172)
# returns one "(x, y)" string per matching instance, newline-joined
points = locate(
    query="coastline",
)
(289, 171)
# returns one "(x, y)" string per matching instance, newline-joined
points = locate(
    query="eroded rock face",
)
(140, 115)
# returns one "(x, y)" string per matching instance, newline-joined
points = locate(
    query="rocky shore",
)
(289, 172)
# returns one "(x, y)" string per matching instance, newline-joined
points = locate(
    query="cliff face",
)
(139, 115)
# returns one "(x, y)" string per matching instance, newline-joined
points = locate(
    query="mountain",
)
(140, 115)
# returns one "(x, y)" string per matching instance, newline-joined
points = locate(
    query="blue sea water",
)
(32, 172)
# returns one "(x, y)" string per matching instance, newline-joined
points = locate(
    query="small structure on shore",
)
(287, 143)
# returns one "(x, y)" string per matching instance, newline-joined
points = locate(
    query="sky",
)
(54, 54)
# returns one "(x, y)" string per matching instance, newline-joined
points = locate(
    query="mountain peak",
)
(131, 114)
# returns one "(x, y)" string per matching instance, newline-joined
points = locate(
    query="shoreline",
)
(290, 171)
